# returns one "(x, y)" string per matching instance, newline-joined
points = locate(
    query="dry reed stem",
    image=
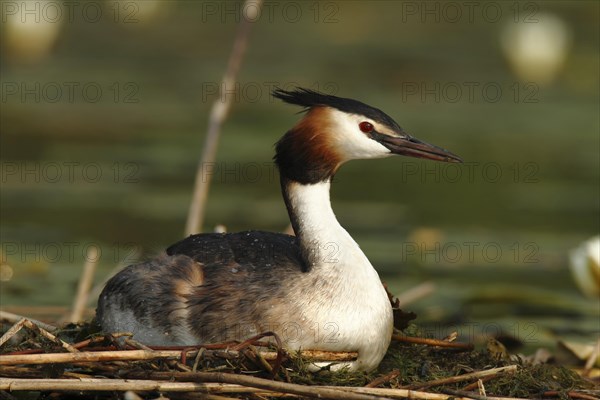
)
(85, 284)
(481, 388)
(383, 379)
(95, 356)
(145, 355)
(349, 392)
(218, 397)
(413, 394)
(197, 359)
(218, 113)
(461, 393)
(42, 332)
(464, 377)
(256, 358)
(38, 331)
(12, 331)
(592, 359)
(101, 385)
(137, 345)
(253, 381)
(475, 385)
(432, 342)
(206, 396)
(220, 383)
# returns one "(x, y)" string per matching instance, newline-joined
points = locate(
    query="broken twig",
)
(433, 342)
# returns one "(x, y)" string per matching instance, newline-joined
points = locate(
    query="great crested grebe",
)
(317, 290)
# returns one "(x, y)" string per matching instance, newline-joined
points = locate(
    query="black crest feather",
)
(309, 98)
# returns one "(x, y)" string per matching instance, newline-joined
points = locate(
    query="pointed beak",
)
(411, 147)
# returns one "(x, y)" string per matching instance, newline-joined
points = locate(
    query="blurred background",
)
(104, 111)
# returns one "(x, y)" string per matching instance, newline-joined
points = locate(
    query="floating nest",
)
(79, 361)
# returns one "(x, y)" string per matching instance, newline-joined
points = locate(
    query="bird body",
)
(317, 290)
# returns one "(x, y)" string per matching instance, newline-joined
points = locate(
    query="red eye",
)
(366, 127)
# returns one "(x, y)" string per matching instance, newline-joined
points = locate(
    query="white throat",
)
(325, 242)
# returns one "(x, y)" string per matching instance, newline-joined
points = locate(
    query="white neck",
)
(341, 287)
(325, 243)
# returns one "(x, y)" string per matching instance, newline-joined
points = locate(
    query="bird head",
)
(335, 130)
